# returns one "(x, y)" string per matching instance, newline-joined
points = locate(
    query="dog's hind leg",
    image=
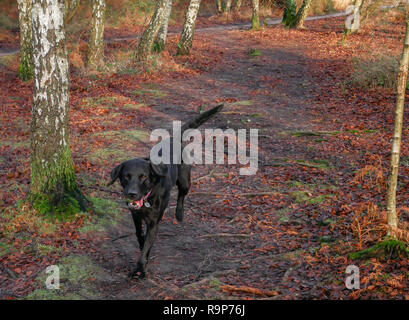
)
(183, 184)
(138, 229)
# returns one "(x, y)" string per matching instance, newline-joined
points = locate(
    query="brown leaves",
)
(250, 290)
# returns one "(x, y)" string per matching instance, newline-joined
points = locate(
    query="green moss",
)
(254, 52)
(25, 70)
(387, 249)
(44, 250)
(106, 211)
(78, 274)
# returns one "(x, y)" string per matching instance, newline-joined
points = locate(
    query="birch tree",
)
(219, 5)
(255, 19)
(148, 37)
(186, 39)
(25, 70)
(96, 40)
(227, 8)
(302, 14)
(392, 216)
(53, 187)
(352, 22)
(71, 7)
(160, 42)
(237, 6)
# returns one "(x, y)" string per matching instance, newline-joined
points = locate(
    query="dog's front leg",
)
(151, 232)
(138, 229)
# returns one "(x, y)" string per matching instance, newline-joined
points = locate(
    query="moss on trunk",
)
(53, 188)
(25, 70)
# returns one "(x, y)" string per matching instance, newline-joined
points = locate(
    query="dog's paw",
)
(138, 272)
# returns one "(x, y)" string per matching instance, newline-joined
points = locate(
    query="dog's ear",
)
(115, 173)
(159, 169)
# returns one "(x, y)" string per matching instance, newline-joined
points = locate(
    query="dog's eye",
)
(128, 177)
(142, 177)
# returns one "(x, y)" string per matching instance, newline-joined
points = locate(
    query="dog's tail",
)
(195, 123)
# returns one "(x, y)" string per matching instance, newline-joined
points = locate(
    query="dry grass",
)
(379, 71)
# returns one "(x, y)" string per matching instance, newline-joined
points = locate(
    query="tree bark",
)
(227, 8)
(96, 40)
(163, 31)
(53, 187)
(25, 70)
(397, 134)
(237, 6)
(302, 14)
(186, 39)
(352, 23)
(255, 20)
(219, 5)
(71, 7)
(145, 45)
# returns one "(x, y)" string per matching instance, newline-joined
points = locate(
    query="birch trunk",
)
(96, 40)
(255, 20)
(219, 5)
(352, 23)
(53, 187)
(237, 6)
(228, 6)
(186, 39)
(25, 70)
(145, 45)
(397, 134)
(71, 7)
(163, 31)
(302, 14)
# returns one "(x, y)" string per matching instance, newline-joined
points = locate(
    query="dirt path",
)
(194, 258)
(270, 22)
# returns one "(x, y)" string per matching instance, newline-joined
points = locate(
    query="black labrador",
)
(147, 187)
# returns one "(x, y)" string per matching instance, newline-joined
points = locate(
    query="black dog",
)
(147, 187)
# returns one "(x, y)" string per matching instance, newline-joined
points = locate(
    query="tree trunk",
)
(96, 40)
(227, 9)
(302, 14)
(255, 20)
(163, 31)
(290, 12)
(352, 23)
(219, 5)
(397, 134)
(25, 70)
(71, 7)
(186, 39)
(145, 45)
(237, 6)
(53, 187)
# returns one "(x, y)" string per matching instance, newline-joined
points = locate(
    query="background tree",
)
(293, 18)
(255, 19)
(53, 187)
(96, 40)
(148, 37)
(25, 70)
(397, 134)
(227, 7)
(219, 5)
(237, 5)
(186, 39)
(160, 42)
(71, 8)
(302, 14)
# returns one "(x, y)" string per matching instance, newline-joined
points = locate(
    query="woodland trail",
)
(218, 242)
(225, 27)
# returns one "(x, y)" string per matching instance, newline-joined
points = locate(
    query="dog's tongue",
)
(138, 203)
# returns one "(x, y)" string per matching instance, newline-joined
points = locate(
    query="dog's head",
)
(137, 178)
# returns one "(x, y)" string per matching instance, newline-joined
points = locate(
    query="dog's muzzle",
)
(137, 204)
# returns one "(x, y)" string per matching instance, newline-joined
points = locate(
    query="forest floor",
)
(284, 233)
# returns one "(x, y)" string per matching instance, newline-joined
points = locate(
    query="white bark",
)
(186, 39)
(392, 216)
(96, 41)
(26, 45)
(163, 31)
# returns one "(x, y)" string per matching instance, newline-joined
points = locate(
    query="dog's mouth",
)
(137, 204)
